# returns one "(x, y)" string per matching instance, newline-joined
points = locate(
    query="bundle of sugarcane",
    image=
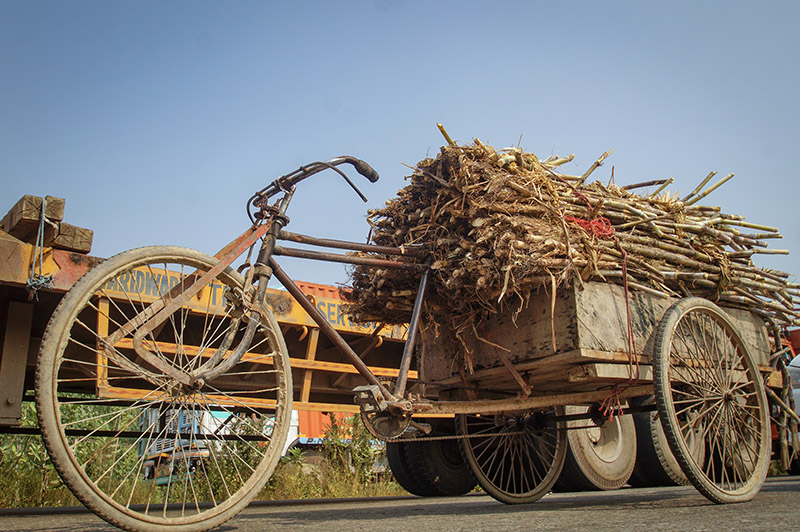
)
(503, 222)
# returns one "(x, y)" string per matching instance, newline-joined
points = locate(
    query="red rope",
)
(601, 228)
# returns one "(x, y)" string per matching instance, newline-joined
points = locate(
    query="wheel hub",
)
(727, 397)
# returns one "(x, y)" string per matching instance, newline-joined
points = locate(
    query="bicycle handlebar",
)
(364, 169)
(288, 181)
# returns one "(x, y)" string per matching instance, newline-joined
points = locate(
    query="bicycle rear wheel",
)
(137, 447)
(516, 457)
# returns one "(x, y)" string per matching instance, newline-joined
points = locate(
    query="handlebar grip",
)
(364, 169)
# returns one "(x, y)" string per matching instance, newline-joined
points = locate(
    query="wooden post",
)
(102, 332)
(311, 353)
(13, 361)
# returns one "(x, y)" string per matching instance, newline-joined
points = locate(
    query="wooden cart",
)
(706, 367)
(166, 344)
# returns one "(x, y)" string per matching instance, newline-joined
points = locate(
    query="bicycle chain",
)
(453, 437)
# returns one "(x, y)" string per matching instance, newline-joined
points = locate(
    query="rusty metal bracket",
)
(159, 311)
(520, 404)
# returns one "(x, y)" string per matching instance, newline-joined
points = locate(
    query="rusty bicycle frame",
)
(268, 225)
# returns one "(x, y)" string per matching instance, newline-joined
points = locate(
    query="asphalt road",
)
(776, 508)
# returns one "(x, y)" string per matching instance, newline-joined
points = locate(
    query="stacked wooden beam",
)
(23, 221)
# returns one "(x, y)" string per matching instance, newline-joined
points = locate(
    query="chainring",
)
(384, 425)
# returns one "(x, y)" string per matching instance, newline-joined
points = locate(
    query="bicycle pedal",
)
(370, 398)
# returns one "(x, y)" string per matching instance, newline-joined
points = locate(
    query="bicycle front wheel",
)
(137, 447)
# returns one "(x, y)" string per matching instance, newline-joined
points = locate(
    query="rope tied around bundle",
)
(601, 227)
(37, 280)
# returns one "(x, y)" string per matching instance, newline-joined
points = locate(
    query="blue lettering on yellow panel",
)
(218, 289)
(114, 284)
(213, 287)
(151, 286)
(123, 280)
(333, 313)
(164, 285)
(140, 281)
(111, 284)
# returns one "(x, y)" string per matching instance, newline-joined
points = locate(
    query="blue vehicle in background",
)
(178, 450)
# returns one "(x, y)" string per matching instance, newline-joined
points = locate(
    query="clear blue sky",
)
(157, 120)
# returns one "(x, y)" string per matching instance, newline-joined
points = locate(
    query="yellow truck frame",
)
(323, 379)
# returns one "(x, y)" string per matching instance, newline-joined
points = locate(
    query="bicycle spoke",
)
(513, 458)
(136, 435)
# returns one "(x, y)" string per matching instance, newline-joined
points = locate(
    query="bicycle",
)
(164, 390)
(192, 387)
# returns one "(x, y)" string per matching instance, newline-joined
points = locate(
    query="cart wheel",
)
(136, 446)
(598, 457)
(708, 386)
(439, 463)
(403, 473)
(430, 468)
(516, 457)
(655, 463)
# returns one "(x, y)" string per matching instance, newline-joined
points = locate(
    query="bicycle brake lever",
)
(353, 186)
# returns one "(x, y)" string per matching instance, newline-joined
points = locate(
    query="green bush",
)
(29, 476)
(345, 466)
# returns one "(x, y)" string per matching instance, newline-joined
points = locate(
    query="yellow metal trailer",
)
(323, 380)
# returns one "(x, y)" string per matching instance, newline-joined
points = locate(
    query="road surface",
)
(776, 508)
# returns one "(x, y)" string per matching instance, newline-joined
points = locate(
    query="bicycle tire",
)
(516, 457)
(214, 447)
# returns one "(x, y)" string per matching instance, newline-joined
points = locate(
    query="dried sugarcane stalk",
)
(663, 186)
(502, 222)
(445, 135)
(595, 166)
(710, 189)
(699, 187)
(646, 184)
